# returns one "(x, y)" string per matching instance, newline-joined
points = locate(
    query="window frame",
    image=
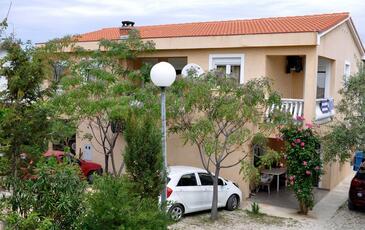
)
(212, 66)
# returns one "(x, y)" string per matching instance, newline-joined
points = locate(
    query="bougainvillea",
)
(303, 161)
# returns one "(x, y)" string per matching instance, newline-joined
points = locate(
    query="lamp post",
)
(163, 74)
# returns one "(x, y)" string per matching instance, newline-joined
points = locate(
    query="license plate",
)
(359, 194)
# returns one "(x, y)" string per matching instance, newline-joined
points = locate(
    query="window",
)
(230, 65)
(178, 63)
(207, 180)
(323, 77)
(347, 71)
(187, 180)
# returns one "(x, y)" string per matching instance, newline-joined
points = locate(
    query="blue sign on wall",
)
(359, 157)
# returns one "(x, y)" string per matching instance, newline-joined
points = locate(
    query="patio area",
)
(285, 198)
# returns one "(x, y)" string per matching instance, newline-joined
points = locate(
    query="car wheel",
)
(232, 203)
(350, 205)
(176, 212)
(90, 177)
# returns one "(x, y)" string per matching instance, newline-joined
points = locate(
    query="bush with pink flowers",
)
(303, 161)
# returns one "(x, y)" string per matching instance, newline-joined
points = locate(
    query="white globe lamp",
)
(163, 74)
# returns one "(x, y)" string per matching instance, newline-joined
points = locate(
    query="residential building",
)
(307, 57)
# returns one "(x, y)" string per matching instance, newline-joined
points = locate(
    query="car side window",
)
(206, 179)
(187, 180)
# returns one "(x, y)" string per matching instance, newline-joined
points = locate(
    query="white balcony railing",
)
(293, 106)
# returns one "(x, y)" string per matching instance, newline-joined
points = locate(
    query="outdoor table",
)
(275, 172)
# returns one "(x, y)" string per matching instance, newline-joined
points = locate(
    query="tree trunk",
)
(113, 163)
(214, 211)
(106, 169)
(303, 208)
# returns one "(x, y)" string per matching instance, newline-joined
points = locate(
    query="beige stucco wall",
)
(338, 46)
(218, 42)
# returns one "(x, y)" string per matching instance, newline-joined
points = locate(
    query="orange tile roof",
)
(293, 24)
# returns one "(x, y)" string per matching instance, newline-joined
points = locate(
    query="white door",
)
(87, 154)
(189, 192)
(207, 185)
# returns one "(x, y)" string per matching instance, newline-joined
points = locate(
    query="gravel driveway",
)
(240, 219)
(346, 219)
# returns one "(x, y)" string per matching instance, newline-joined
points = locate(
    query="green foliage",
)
(114, 204)
(99, 89)
(303, 162)
(4, 166)
(24, 121)
(143, 155)
(269, 158)
(255, 208)
(250, 173)
(51, 200)
(348, 133)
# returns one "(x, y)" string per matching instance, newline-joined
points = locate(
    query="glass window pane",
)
(187, 180)
(321, 85)
(221, 70)
(205, 179)
(235, 72)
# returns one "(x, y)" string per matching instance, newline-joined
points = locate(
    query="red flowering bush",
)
(303, 161)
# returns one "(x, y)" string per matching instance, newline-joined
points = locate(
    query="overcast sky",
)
(41, 20)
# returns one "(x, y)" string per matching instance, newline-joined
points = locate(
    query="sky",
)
(41, 20)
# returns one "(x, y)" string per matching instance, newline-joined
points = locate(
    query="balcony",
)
(324, 108)
(292, 106)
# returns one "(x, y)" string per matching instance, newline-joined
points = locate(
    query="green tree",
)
(218, 116)
(143, 155)
(24, 120)
(99, 90)
(348, 132)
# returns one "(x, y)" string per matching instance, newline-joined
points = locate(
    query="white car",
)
(190, 190)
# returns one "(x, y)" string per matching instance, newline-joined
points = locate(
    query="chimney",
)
(127, 24)
(124, 30)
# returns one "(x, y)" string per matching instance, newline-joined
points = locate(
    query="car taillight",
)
(356, 182)
(168, 192)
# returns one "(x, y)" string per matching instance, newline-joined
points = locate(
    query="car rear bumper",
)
(357, 198)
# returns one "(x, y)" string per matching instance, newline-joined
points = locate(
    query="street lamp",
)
(163, 75)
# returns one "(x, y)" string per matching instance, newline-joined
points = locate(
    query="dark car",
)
(88, 168)
(357, 190)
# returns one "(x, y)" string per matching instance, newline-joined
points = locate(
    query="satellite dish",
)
(192, 70)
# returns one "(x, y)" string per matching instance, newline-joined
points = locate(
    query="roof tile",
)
(293, 24)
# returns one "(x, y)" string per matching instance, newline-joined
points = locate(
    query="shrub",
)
(303, 162)
(255, 208)
(143, 155)
(114, 205)
(51, 200)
